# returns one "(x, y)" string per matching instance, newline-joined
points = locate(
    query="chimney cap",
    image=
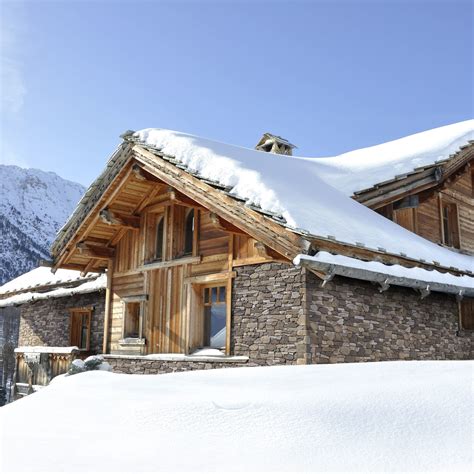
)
(275, 144)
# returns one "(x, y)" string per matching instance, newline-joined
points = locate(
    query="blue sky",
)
(330, 76)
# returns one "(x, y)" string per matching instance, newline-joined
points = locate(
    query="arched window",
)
(189, 232)
(159, 239)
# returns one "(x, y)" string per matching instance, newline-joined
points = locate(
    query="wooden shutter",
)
(76, 325)
(80, 318)
(406, 218)
(467, 313)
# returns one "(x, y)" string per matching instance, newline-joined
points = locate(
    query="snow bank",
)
(382, 417)
(293, 187)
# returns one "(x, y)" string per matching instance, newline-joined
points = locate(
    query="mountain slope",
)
(34, 204)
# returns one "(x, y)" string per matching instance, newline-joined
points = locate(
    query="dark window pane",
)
(159, 240)
(189, 233)
(222, 294)
(214, 294)
(206, 295)
(215, 326)
(84, 328)
(132, 323)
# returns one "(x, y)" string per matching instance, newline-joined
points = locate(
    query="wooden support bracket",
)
(110, 217)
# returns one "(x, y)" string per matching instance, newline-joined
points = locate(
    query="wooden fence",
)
(35, 367)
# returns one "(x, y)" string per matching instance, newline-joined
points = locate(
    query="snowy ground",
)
(389, 416)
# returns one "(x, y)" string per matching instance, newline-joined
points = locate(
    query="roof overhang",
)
(326, 266)
(420, 179)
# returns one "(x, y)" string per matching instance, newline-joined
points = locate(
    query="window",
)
(189, 232)
(449, 216)
(215, 316)
(133, 320)
(159, 239)
(466, 314)
(80, 328)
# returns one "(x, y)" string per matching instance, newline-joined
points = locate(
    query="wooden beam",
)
(93, 214)
(169, 263)
(262, 228)
(110, 217)
(108, 305)
(261, 249)
(138, 173)
(201, 279)
(94, 250)
(117, 236)
(223, 225)
(88, 267)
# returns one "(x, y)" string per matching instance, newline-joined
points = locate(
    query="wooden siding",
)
(171, 288)
(426, 218)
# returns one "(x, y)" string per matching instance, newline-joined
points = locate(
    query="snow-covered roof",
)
(361, 169)
(293, 188)
(41, 283)
(417, 278)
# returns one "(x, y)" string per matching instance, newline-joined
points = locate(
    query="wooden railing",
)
(35, 367)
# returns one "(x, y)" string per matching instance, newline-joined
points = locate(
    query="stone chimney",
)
(275, 144)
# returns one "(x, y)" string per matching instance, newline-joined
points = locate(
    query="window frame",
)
(83, 311)
(141, 300)
(152, 220)
(203, 305)
(193, 250)
(452, 219)
(160, 222)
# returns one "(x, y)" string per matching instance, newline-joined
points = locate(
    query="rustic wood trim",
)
(108, 305)
(228, 294)
(134, 271)
(240, 262)
(69, 248)
(203, 279)
(197, 221)
(168, 263)
(416, 181)
(111, 217)
(81, 308)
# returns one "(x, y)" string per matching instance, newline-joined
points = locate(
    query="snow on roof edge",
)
(43, 276)
(91, 286)
(396, 274)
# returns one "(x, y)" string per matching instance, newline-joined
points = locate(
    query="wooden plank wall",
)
(425, 220)
(173, 316)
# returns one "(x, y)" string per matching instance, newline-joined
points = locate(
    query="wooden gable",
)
(439, 208)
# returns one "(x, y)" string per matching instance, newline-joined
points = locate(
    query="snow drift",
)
(386, 416)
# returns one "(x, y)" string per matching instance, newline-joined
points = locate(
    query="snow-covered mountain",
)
(34, 204)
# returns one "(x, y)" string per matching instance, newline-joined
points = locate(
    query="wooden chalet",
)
(218, 255)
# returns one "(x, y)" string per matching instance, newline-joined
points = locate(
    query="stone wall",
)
(137, 365)
(47, 322)
(268, 314)
(351, 321)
